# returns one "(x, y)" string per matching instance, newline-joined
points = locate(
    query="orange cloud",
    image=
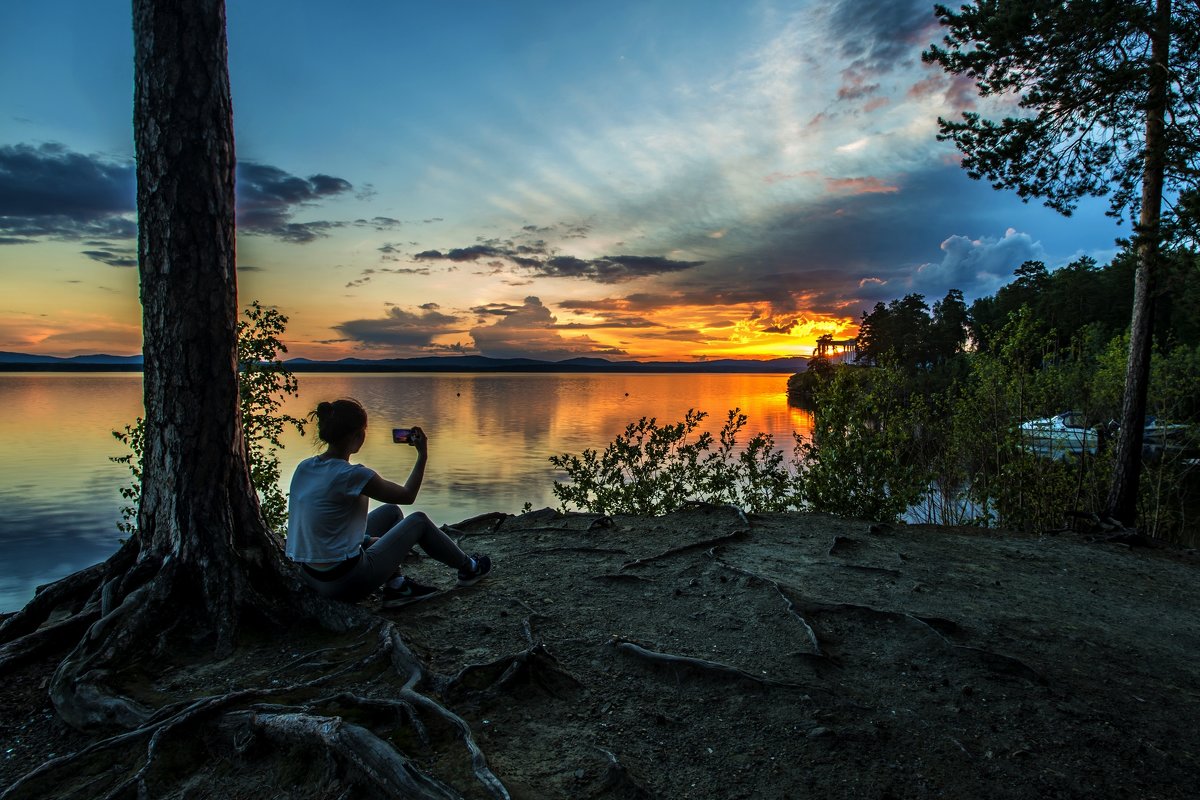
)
(860, 186)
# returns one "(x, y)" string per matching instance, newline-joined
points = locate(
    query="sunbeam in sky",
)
(658, 180)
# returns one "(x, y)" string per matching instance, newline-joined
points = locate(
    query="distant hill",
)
(99, 362)
(22, 361)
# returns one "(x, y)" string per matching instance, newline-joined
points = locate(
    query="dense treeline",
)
(926, 423)
(957, 382)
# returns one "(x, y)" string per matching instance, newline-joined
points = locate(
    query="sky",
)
(627, 179)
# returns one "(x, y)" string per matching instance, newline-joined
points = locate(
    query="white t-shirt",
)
(327, 511)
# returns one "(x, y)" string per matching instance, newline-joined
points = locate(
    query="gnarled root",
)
(618, 782)
(707, 544)
(407, 665)
(940, 628)
(354, 755)
(533, 666)
(695, 664)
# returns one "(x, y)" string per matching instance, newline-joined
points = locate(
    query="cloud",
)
(541, 262)
(114, 257)
(879, 37)
(400, 328)
(531, 331)
(866, 185)
(984, 264)
(49, 191)
(268, 198)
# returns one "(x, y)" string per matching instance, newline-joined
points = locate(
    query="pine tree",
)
(1106, 104)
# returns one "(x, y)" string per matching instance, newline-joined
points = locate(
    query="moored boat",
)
(1065, 434)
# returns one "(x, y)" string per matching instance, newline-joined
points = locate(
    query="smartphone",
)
(402, 435)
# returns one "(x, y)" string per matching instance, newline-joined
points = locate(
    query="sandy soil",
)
(706, 655)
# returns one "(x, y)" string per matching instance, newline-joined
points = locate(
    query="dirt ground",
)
(711, 656)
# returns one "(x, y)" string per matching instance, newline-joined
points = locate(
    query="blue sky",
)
(651, 180)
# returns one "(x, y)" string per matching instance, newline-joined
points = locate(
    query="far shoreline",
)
(647, 369)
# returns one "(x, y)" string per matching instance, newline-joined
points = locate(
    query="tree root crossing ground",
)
(703, 654)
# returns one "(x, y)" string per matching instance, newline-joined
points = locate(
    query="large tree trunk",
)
(197, 500)
(204, 557)
(1123, 494)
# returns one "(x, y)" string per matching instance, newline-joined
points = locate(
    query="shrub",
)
(263, 382)
(653, 469)
(861, 460)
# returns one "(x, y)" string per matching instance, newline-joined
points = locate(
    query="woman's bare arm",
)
(385, 491)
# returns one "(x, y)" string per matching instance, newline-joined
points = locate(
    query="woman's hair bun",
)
(338, 419)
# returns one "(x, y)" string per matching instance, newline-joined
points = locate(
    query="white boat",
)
(1166, 438)
(1065, 434)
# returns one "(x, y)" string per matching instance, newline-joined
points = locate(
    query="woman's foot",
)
(400, 591)
(475, 569)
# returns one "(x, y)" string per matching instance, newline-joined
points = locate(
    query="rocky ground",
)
(702, 655)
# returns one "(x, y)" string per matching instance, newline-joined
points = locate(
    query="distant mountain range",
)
(12, 362)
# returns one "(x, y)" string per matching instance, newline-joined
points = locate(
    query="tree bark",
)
(1123, 494)
(198, 505)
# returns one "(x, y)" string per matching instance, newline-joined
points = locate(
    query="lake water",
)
(490, 437)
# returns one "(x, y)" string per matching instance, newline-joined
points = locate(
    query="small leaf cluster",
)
(263, 383)
(655, 469)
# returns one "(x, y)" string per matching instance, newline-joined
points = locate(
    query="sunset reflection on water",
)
(491, 436)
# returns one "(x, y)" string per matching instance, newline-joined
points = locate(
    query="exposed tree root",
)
(396, 711)
(309, 657)
(495, 518)
(356, 752)
(355, 755)
(707, 544)
(697, 664)
(585, 550)
(405, 662)
(622, 577)
(533, 666)
(809, 634)
(73, 590)
(705, 505)
(617, 780)
(60, 635)
(995, 662)
(151, 608)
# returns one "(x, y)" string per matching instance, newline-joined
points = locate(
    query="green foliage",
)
(1016, 380)
(1081, 72)
(263, 383)
(134, 437)
(802, 387)
(655, 469)
(859, 462)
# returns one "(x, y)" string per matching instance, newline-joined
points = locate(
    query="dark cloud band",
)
(605, 269)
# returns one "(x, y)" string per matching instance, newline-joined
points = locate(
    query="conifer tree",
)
(1097, 98)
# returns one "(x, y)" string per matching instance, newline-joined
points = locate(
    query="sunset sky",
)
(647, 179)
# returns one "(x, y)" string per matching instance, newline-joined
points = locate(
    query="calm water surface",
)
(490, 437)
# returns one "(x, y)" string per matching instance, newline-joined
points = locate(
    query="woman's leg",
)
(383, 519)
(382, 558)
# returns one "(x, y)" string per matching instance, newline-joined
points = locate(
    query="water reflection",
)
(490, 438)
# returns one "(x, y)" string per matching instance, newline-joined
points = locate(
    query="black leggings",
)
(397, 535)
